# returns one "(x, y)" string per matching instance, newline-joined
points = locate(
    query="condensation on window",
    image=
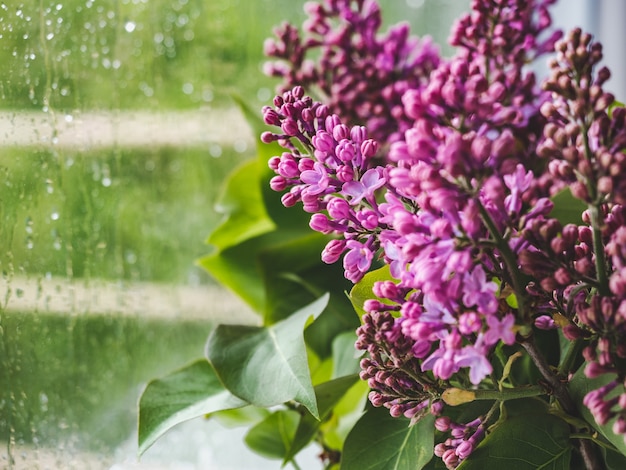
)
(117, 128)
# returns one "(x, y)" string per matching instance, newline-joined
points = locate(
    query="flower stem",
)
(510, 393)
(598, 249)
(558, 388)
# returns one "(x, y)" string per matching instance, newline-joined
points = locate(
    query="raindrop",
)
(29, 243)
(57, 244)
(240, 146)
(263, 94)
(69, 118)
(188, 88)
(131, 257)
(49, 36)
(29, 225)
(215, 150)
(49, 186)
(19, 293)
(54, 215)
(43, 400)
(207, 96)
(106, 181)
(130, 26)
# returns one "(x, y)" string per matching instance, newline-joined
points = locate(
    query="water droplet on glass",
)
(29, 225)
(131, 257)
(188, 88)
(207, 96)
(43, 401)
(240, 146)
(263, 94)
(215, 150)
(130, 26)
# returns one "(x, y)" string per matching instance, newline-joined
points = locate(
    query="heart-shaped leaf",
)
(328, 395)
(188, 393)
(381, 442)
(528, 440)
(273, 436)
(266, 366)
(362, 290)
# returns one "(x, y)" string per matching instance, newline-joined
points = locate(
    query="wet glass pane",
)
(117, 128)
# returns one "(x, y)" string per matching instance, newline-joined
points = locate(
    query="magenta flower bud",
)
(369, 148)
(450, 459)
(306, 164)
(273, 163)
(323, 141)
(345, 150)
(288, 168)
(619, 426)
(341, 132)
(345, 173)
(278, 183)
(545, 322)
(464, 449)
(289, 200)
(290, 127)
(268, 137)
(333, 251)
(372, 305)
(440, 449)
(338, 208)
(442, 424)
(358, 134)
(386, 290)
(320, 223)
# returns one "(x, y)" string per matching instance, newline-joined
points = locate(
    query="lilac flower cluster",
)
(360, 74)
(464, 439)
(460, 209)
(336, 163)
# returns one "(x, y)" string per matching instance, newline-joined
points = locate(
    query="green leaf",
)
(613, 459)
(345, 355)
(273, 436)
(283, 217)
(188, 393)
(567, 209)
(294, 274)
(528, 438)
(328, 395)
(380, 442)
(236, 269)
(242, 206)
(362, 290)
(579, 386)
(266, 366)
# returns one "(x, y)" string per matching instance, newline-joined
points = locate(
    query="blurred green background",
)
(76, 214)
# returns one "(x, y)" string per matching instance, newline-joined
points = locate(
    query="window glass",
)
(117, 128)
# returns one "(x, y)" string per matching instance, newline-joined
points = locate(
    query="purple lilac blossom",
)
(359, 73)
(476, 151)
